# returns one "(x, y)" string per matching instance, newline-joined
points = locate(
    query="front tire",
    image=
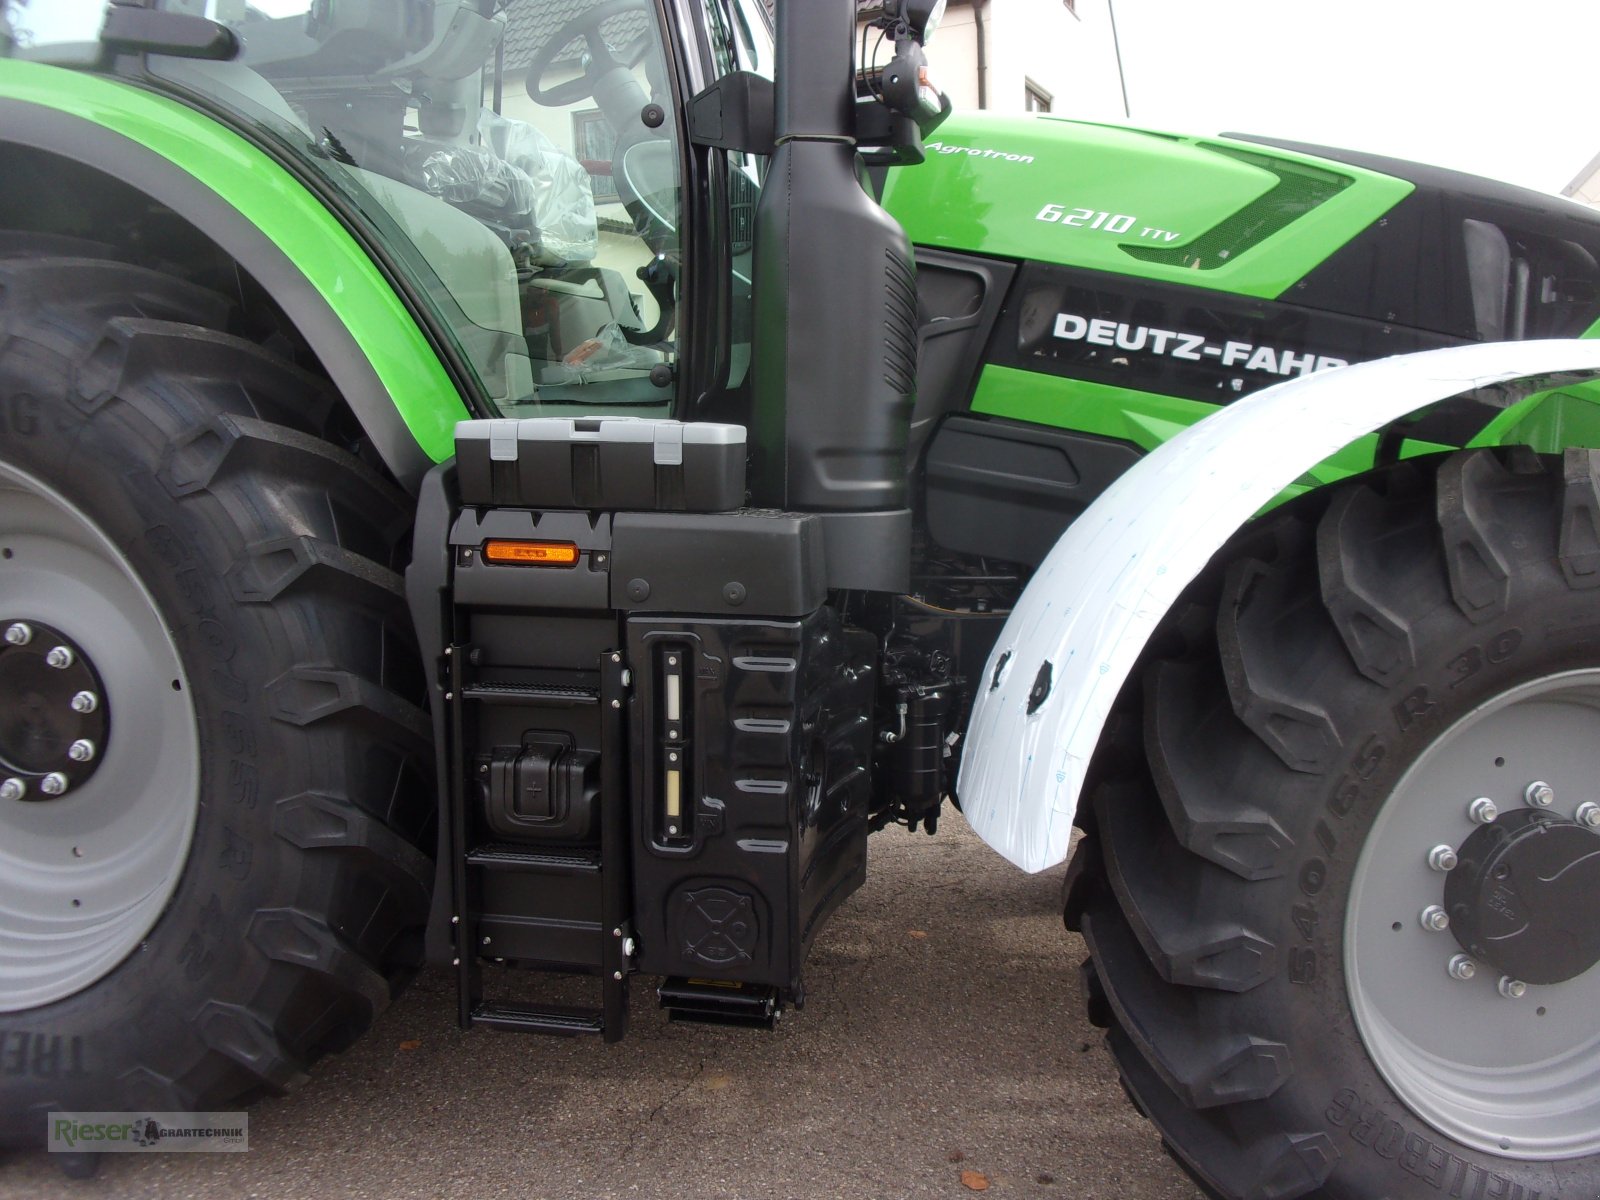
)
(172, 506)
(1319, 716)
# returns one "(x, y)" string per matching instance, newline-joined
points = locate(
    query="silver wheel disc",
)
(1516, 1077)
(85, 874)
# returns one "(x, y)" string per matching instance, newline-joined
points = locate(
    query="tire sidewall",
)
(1383, 1147)
(78, 1052)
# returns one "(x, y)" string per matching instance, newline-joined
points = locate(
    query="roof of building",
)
(530, 25)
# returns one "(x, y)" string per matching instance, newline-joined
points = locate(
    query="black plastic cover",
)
(541, 790)
(751, 562)
(774, 745)
(1007, 490)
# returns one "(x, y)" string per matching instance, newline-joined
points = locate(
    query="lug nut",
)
(59, 657)
(1511, 989)
(1483, 810)
(85, 702)
(13, 789)
(81, 750)
(1462, 967)
(1442, 858)
(1539, 794)
(1435, 919)
(1588, 814)
(53, 784)
(19, 634)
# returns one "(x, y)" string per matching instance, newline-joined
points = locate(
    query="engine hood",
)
(1209, 212)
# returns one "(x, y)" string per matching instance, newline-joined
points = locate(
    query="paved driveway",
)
(944, 1035)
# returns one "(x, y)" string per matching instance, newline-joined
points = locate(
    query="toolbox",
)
(617, 463)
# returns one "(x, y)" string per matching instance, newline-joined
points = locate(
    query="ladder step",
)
(520, 693)
(714, 1002)
(503, 857)
(527, 1018)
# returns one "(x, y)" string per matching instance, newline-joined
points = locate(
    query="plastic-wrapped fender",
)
(1083, 620)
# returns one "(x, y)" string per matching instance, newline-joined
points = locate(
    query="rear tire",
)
(199, 466)
(1317, 715)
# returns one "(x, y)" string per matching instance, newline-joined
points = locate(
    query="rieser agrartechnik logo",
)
(146, 1133)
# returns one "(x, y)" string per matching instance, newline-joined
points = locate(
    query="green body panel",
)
(987, 180)
(272, 200)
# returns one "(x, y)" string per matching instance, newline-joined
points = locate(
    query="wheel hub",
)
(54, 719)
(1467, 959)
(94, 829)
(1521, 896)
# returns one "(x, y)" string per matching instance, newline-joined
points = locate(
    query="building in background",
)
(1585, 188)
(1056, 56)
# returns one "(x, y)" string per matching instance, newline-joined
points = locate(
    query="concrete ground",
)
(943, 1049)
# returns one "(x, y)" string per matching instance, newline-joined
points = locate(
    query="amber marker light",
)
(531, 554)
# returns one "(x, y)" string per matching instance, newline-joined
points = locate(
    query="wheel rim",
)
(1516, 1076)
(84, 876)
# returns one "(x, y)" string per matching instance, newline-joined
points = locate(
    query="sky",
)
(1506, 90)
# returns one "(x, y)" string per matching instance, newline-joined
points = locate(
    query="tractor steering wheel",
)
(601, 58)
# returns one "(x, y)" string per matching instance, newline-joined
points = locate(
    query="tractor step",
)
(716, 1002)
(530, 694)
(528, 1018)
(523, 858)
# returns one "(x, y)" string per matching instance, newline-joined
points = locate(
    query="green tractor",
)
(530, 485)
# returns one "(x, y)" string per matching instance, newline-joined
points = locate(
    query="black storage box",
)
(616, 463)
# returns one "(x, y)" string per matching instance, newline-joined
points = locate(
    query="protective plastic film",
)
(1081, 624)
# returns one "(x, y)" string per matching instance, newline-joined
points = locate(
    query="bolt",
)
(449, 695)
(1539, 794)
(672, 829)
(486, 940)
(455, 920)
(1483, 810)
(1442, 858)
(617, 975)
(1462, 967)
(19, 634)
(617, 932)
(455, 962)
(616, 658)
(1435, 919)
(628, 947)
(671, 661)
(1512, 989)
(616, 704)
(13, 789)
(81, 750)
(53, 784)
(59, 657)
(85, 702)
(1588, 814)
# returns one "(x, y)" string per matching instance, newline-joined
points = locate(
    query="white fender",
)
(1105, 586)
